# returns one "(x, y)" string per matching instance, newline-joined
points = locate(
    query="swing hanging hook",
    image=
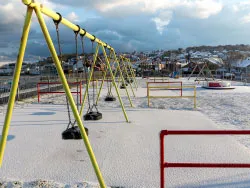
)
(82, 35)
(93, 40)
(78, 30)
(56, 22)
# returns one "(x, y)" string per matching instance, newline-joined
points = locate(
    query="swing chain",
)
(57, 22)
(85, 68)
(76, 34)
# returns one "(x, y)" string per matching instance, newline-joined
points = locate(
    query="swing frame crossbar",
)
(39, 10)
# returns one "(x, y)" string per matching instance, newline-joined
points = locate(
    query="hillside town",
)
(221, 60)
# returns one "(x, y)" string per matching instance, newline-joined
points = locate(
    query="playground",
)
(118, 130)
(128, 153)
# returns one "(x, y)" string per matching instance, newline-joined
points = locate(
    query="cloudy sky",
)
(130, 25)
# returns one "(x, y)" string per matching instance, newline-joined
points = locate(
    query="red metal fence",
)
(39, 92)
(197, 165)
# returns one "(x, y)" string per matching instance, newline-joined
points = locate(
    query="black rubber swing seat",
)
(73, 133)
(123, 86)
(92, 116)
(110, 98)
(129, 81)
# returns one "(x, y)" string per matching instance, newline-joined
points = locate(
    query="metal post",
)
(181, 89)
(194, 96)
(161, 160)
(38, 92)
(15, 81)
(148, 93)
(69, 95)
(80, 92)
(113, 81)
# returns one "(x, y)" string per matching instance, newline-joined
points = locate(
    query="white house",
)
(243, 64)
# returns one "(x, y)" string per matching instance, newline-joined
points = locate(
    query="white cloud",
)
(109, 33)
(241, 6)
(199, 9)
(235, 8)
(162, 20)
(161, 11)
(72, 17)
(245, 19)
(7, 8)
(192, 8)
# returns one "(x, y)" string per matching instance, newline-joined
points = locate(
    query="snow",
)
(215, 60)
(5, 63)
(244, 63)
(128, 153)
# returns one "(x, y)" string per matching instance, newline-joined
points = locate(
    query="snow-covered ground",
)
(128, 153)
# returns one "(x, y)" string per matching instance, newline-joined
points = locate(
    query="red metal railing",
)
(197, 165)
(58, 92)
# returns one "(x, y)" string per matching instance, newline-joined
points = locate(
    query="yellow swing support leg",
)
(132, 73)
(128, 77)
(69, 95)
(113, 81)
(100, 89)
(122, 78)
(14, 86)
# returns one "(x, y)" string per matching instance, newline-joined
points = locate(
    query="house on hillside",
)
(243, 66)
(6, 70)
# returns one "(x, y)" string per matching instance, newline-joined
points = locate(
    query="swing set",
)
(129, 71)
(39, 10)
(201, 66)
(116, 62)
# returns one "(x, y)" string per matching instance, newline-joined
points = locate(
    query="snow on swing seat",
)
(218, 85)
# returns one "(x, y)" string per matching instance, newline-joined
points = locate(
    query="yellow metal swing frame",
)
(40, 10)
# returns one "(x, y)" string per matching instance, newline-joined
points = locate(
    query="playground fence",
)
(169, 86)
(164, 164)
(53, 84)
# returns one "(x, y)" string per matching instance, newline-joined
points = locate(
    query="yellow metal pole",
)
(90, 78)
(103, 78)
(100, 89)
(121, 76)
(148, 93)
(194, 96)
(69, 96)
(15, 82)
(118, 68)
(133, 74)
(131, 70)
(74, 27)
(128, 77)
(113, 80)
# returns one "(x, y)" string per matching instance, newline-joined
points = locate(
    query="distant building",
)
(245, 64)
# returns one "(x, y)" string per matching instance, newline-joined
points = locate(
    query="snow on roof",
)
(2, 63)
(215, 60)
(244, 63)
